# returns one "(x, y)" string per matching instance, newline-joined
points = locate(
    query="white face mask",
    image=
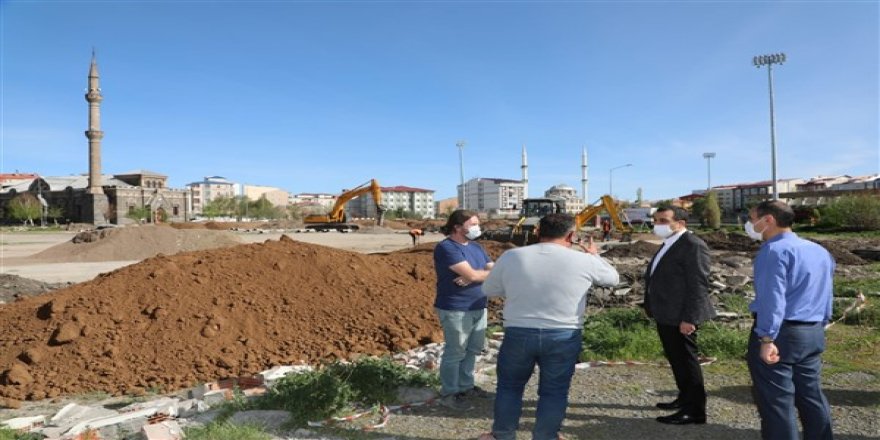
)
(663, 231)
(752, 233)
(473, 232)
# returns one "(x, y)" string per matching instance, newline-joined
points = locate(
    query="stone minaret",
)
(525, 172)
(94, 132)
(585, 187)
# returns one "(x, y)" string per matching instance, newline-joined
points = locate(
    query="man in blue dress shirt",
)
(793, 294)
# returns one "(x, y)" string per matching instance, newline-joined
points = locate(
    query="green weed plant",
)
(226, 431)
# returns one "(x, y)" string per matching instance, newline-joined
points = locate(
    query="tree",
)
(139, 214)
(712, 212)
(667, 203)
(219, 207)
(25, 207)
(55, 213)
(698, 210)
(855, 213)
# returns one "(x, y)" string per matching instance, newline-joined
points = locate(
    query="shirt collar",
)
(669, 241)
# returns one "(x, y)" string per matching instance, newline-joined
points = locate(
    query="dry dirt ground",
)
(171, 321)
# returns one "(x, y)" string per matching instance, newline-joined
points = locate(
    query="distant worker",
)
(793, 298)
(415, 234)
(606, 230)
(545, 289)
(462, 265)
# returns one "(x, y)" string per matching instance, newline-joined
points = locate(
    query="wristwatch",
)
(766, 340)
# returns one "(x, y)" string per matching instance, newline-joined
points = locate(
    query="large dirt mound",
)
(134, 243)
(172, 321)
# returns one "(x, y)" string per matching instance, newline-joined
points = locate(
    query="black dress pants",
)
(681, 352)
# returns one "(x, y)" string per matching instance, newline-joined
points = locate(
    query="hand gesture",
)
(591, 247)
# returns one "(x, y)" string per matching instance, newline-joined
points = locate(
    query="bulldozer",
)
(525, 230)
(336, 218)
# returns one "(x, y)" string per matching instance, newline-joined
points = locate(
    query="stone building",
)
(573, 204)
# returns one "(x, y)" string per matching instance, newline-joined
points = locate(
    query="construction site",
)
(154, 310)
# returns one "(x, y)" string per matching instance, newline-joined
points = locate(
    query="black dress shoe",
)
(683, 418)
(675, 404)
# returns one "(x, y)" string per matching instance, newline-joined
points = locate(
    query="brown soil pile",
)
(170, 322)
(641, 249)
(13, 287)
(134, 243)
(723, 241)
(841, 254)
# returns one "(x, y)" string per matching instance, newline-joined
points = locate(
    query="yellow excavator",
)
(524, 232)
(617, 217)
(336, 218)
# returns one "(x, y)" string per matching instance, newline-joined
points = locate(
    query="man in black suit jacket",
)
(677, 297)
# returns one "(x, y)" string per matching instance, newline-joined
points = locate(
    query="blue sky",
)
(320, 96)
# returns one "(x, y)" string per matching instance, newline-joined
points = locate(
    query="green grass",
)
(848, 287)
(818, 232)
(226, 431)
(9, 434)
(736, 303)
(852, 348)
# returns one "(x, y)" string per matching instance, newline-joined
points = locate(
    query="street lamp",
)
(611, 178)
(460, 145)
(708, 157)
(769, 61)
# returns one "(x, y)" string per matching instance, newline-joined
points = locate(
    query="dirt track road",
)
(16, 247)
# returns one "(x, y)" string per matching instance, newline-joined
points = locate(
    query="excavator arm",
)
(614, 212)
(337, 213)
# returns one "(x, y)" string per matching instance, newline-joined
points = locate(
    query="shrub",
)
(855, 212)
(318, 395)
(618, 334)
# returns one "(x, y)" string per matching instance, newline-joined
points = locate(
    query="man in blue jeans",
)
(544, 287)
(461, 265)
(793, 297)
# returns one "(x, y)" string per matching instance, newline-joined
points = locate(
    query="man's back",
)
(545, 285)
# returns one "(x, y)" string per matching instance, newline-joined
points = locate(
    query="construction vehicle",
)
(617, 216)
(336, 218)
(524, 231)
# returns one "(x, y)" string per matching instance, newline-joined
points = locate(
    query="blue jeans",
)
(555, 351)
(465, 336)
(793, 382)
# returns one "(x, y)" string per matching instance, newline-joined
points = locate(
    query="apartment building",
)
(573, 203)
(496, 197)
(276, 196)
(210, 188)
(405, 198)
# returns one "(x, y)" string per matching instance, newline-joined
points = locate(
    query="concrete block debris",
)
(167, 430)
(25, 424)
(273, 374)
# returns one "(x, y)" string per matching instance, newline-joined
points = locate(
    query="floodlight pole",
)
(708, 157)
(769, 61)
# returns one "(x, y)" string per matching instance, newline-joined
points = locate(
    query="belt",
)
(790, 322)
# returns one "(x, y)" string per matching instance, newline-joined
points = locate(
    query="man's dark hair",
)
(678, 214)
(458, 217)
(554, 226)
(780, 211)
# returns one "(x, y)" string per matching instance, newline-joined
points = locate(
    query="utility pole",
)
(460, 145)
(769, 61)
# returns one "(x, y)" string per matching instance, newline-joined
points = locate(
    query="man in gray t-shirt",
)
(544, 287)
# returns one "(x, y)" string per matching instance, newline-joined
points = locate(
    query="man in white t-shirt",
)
(545, 288)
